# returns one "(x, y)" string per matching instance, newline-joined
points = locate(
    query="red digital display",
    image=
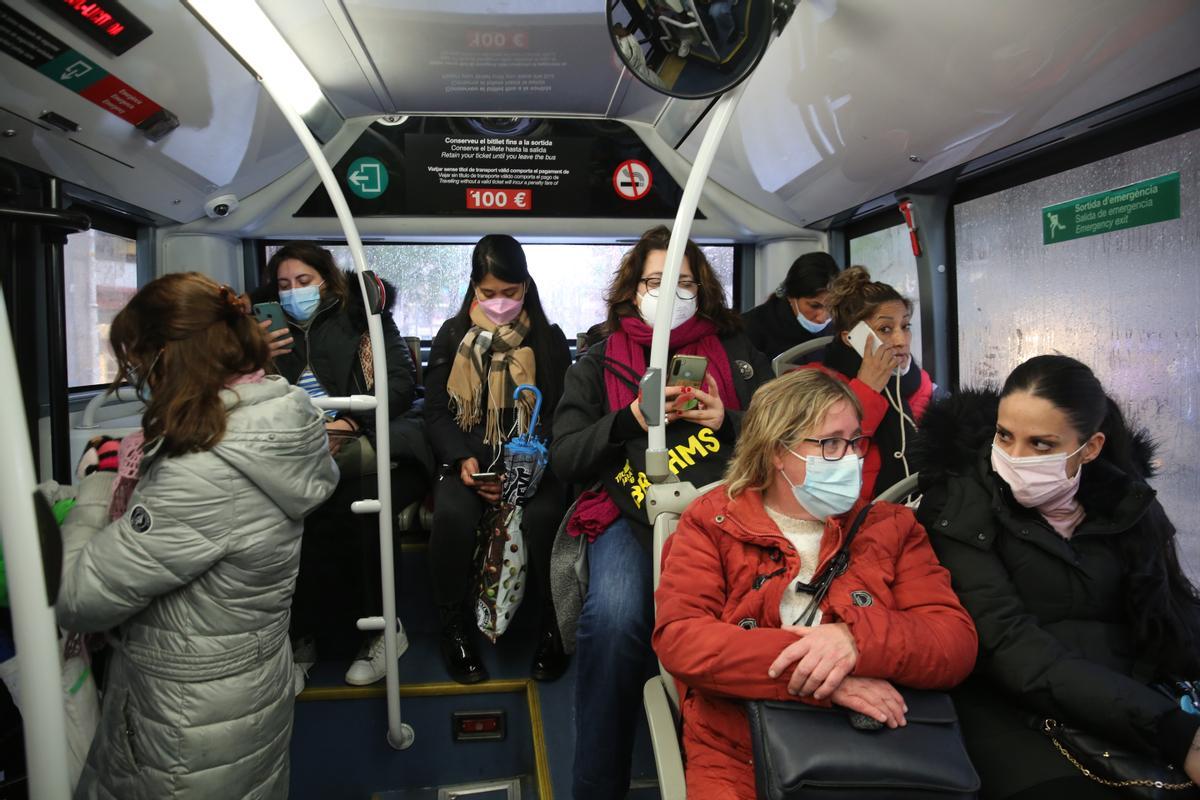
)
(107, 22)
(481, 199)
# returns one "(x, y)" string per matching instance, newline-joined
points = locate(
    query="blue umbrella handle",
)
(537, 402)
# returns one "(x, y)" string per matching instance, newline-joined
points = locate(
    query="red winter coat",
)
(717, 633)
(874, 407)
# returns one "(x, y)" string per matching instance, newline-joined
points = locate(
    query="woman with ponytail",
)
(1036, 501)
(892, 389)
(600, 440)
(196, 574)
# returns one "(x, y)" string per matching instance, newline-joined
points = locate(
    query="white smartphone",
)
(859, 336)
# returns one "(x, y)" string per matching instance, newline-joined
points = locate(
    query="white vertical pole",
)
(656, 450)
(400, 736)
(34, 628)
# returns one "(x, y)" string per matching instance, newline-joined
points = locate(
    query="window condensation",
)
(431, 280)
(1126, 303)
(101, 277)
(887, 255)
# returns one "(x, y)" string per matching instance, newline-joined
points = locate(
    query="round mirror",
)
(690, 48)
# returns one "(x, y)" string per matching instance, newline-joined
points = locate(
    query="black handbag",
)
(806, 752)
(1136, 774)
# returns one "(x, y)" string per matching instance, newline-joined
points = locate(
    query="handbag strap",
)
(836, 566)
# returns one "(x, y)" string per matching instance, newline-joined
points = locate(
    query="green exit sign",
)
(1141, 203)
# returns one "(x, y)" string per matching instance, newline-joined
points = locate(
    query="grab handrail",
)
(123, 394)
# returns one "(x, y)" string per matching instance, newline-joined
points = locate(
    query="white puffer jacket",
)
(197, 579)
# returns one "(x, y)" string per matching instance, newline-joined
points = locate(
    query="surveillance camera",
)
(221, 206)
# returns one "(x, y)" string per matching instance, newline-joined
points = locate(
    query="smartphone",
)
(687, 371)
(273, 312)
(859, 336)
(485, 477)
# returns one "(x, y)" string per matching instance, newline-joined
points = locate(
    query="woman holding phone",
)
(872, 327)
(600, 439)
(499, 339)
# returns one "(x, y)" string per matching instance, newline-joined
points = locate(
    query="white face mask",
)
(680, 313)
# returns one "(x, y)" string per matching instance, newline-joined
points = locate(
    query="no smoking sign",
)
(632, 180)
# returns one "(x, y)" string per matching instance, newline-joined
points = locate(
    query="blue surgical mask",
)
(810, 326)
(830, 488)
(300, 303)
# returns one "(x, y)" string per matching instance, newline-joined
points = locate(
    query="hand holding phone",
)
(272, 312)
(879, 362)
(687, 371)
(485, 477)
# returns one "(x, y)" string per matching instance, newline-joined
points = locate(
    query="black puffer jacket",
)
(772, 328)
(330, 345)
(1056, 634)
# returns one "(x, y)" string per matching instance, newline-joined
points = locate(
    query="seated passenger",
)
(499, 339)
(1037, 503)
(326, 351)
(600, 438)
(891, 388)
(733, 624)
(798, 310)
(197, 575)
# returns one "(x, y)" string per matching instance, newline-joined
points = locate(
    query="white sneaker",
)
(685, 48)
(304, 655)
(371, 664)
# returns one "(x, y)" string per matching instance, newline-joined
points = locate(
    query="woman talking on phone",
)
(600, 438)
(872, 328)
(499, 339)
(195, 576)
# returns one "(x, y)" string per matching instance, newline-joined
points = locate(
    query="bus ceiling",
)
(855, 100)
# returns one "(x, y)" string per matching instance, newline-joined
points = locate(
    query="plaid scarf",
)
(510, 365)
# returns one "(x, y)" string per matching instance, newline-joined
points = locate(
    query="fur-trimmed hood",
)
(954, 431)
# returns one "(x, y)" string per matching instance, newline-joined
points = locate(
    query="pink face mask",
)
(501, 310)
(1039, 482)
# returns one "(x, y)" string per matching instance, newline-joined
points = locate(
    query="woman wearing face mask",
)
(326, 351)
(1037, 504)
(798, 310)
(499, 339)
(732, 623)
(600, 439)
(892, 390)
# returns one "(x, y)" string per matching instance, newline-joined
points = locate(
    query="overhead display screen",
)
(106, 22)
(440, 166)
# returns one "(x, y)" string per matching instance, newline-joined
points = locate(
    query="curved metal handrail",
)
(123, 394)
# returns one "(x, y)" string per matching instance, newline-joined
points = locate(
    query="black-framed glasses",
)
(833, 448)
(686, 289)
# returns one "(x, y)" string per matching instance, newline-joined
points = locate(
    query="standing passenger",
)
(197, 575)
(499, 339)
(1037, 503)
(600, 437)
(798, 310)
(892, 389)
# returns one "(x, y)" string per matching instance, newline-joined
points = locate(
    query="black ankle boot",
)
(549, 659)
(458, 651)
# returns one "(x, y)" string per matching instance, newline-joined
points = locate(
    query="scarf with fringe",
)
(510, 364)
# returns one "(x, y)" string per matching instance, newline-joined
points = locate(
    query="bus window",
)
(1123, 302)
(888, 256)
(571, 278)
(101, 276)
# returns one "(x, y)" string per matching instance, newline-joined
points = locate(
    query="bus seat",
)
(900, 490)
(788, 357)
(665, 503)
(414, 348)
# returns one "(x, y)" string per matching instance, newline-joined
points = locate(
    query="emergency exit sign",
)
(1141, 203)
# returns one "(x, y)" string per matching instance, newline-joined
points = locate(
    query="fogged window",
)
(431, 280)
(101, 277)
(887, 255)
(1127, 303)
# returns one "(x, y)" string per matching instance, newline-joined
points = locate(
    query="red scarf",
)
(696, 337)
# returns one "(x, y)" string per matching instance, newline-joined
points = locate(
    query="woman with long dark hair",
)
(196, 575)
(499, 339)
(1036, 501)
(600, 438)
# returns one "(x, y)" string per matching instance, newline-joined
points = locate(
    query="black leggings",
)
(1075, 787)
(456, 513)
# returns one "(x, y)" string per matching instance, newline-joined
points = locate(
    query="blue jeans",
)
(721, 13)
(615, 660)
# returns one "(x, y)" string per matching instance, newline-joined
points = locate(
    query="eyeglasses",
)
(685, 290)
(834, 448)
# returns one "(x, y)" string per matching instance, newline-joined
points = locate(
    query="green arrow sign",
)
(1153, 200)
(367, 178)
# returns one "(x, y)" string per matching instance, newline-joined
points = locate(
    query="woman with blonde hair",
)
(195, 577)
(737, 619)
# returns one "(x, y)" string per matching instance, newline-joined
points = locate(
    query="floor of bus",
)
(339, 749)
